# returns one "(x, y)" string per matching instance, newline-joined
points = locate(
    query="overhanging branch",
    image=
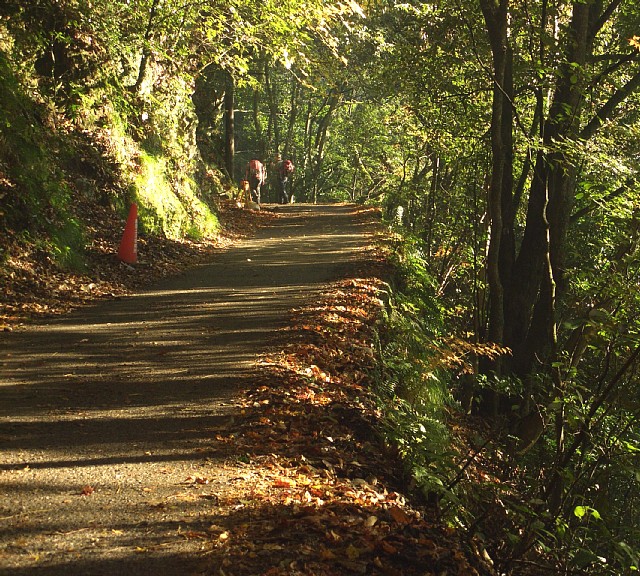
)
(607, 109)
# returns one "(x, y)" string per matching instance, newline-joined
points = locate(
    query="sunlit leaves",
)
(586, 511)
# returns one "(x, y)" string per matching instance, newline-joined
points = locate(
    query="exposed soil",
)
(194, 427)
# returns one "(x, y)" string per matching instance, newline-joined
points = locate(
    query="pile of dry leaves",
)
(324, 497)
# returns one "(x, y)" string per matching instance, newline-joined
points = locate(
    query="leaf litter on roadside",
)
(33, 285)
(321, 500)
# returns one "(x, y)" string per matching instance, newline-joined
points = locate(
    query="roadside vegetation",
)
(500, 142)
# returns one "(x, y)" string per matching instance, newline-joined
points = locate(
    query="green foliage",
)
(410, 383)
(38, 200)
(68, 244)
(169, 206)
(408, 355)
(422, 442)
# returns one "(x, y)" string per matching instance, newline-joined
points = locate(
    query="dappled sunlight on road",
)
(116, 405)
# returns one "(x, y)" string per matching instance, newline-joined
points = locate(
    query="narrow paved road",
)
(108, 417)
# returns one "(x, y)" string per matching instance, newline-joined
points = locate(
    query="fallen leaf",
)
(284, 483)
(370, 521)
(399, 515)
(388, 548)
(352, 552)
(326, 554)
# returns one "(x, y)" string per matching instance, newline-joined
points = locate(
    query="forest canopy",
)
(500, 139)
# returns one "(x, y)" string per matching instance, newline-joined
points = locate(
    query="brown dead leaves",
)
(319, 497)
(87, 490)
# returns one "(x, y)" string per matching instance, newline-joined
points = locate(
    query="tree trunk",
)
(146, 48)
(257, 124)
(293, 115)
(229, 124)
(208, 99)
(272, 100)
(431, 205)
(307, 136)
(321, 140)
(529, 308)
(499, 192)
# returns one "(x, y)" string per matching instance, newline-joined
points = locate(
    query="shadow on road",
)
(129, 395)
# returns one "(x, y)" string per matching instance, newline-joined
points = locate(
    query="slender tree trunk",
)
(431, 208)
(307, 135)
(530, 307)
(320, 141)
(258, 125)
(146, 49)
(354, 182)
(272, 99)
(229, 132)
(293, 116)
(507, 253)
(499, 193)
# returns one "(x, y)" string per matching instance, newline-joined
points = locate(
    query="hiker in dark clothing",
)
(284, 170)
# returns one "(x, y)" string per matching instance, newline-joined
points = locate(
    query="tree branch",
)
(617, 192)
(607, 109)
(604, 17)
(597, 403)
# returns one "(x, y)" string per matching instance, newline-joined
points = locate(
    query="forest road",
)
(108, 416)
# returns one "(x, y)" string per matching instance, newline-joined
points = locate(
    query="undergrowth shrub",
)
(34, 192)
(411, 384)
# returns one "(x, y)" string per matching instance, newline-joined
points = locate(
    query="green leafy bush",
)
(411, 384)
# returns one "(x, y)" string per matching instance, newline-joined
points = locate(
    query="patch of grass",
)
(68, 247)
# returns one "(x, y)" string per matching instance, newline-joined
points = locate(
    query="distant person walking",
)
(256, 174)
(284, 169)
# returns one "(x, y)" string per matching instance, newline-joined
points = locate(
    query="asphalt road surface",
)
(108, 416)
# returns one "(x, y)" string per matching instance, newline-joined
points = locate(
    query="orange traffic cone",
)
(128, 251)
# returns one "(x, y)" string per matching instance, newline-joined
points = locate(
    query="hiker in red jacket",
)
(256, 174)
